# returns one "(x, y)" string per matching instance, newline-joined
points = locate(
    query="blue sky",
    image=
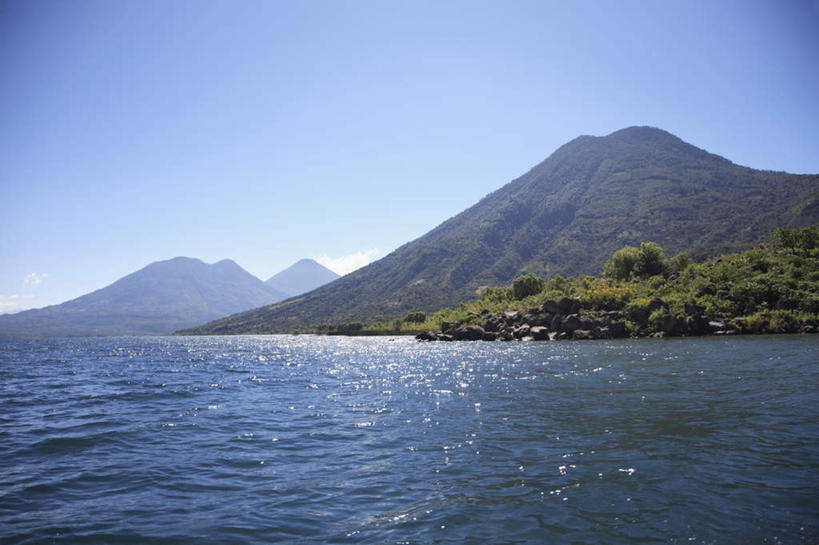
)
(270, 131)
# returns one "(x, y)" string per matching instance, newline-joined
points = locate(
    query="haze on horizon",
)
(267, 132)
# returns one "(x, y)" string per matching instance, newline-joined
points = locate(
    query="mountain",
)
(305, 275)
(567, 215)
(159, 299)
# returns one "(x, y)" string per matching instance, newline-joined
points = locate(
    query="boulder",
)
(532, 319)
(469, 333)
(551, 307)
(426, 336)
(671, 325)
(581, 334)
(571, 323)
(716, 325)
(522, 331)
(510, 315)
(557, 322)
(569, 306)
(449, 326)
(539, 333)
(617, 330)
(490, 336)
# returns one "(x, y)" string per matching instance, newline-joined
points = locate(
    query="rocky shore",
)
(564, 320)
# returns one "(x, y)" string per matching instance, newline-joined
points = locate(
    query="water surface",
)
(375, 440)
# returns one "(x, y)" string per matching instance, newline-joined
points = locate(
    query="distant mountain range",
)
(567, 215)
(161, 298)
(303, 276)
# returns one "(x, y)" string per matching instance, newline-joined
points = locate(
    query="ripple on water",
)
(357, 440)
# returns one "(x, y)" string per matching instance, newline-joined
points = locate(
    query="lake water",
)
(301, 439)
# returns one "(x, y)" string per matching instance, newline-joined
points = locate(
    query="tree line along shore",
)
(772, 288)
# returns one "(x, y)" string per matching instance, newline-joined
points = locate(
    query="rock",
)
(448, 326)
(445, 337)
(604, 333)
(553, 335)
(557, 322)
(565, 306)
(671, 325)
(490, 336)
(617, 330)
(469, 333)
(657, 335)
(581, 334)
(551, 307)
(716, 325)
(522, 331)
(511, 315)
(539, 333)
(656, 303)
(492, 324)
(532, 319)
(506, 335)
(485, 312)
(527, 338)
(571, 323)
(426, 336)
(613, 315)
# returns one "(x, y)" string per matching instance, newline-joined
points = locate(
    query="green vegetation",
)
(772, 288)
(566, 216)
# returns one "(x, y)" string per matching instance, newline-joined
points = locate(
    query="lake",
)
(305, 439)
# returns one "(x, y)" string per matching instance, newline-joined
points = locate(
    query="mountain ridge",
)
(154, 300)
(565, 215)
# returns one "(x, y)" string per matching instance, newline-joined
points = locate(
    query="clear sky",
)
(265, 132)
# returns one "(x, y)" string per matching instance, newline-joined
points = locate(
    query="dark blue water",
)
(339, 440)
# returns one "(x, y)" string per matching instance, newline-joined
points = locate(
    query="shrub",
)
(650, 260)
(526, 285)
(622, 262)
(496, 294)
(415, 317)
(680, 262)
(607, 297)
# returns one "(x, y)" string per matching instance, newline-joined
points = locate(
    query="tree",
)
(650, 260)
(528, 284)
(621, 264)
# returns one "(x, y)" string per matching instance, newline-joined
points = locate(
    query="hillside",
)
(303, 276)
(567, 215)
(156, 300)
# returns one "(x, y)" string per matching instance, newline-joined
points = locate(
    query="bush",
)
(650, 260)
(526, 285)
(415, 317)
(680, 262)
(496, 294)
(605, 297)
(621, 264)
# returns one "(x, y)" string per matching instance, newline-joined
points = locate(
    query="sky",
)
(266, 132)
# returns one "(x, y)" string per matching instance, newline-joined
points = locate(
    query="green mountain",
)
(159, 299)
(303, 276)
(567, 215)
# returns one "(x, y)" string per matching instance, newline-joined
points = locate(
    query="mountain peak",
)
(567, 215)
(303, 276)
